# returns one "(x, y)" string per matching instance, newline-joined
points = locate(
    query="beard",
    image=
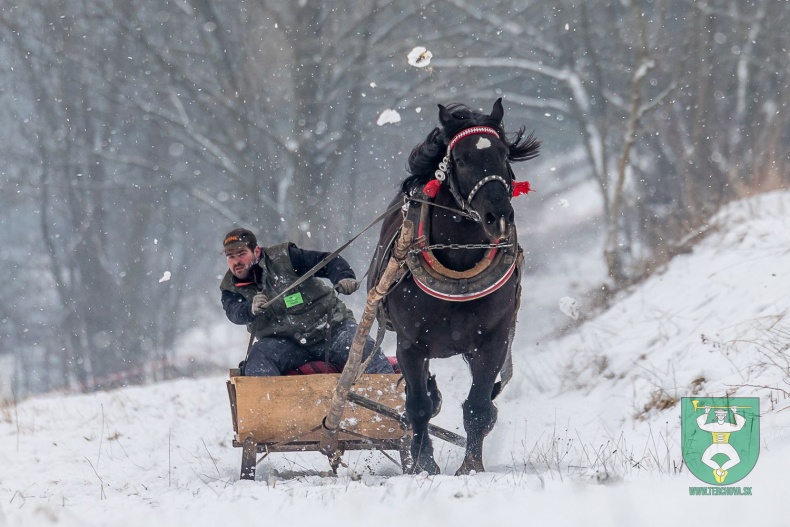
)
(241, 270)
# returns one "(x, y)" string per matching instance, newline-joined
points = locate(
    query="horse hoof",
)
(469, 469)
(430, 467)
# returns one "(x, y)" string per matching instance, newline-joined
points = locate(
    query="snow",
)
(419, 57)
(388, 117)
(581, 437)
(570, 307)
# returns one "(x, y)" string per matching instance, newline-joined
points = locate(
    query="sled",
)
(285, 414)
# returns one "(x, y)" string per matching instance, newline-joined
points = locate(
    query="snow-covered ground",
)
(588, 432)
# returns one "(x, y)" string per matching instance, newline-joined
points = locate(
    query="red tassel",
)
(432, 188)
(521, 187)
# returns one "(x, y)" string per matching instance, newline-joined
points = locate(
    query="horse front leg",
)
(419, 410)
(480, 414)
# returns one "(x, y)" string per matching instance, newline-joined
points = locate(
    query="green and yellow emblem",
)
(721, 437)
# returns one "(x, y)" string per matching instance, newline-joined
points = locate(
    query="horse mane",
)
(425, 157)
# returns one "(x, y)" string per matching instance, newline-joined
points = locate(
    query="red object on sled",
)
(311, 368)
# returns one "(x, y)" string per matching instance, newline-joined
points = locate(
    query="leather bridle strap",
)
(483, 182)
(443, 172)
(475, 130)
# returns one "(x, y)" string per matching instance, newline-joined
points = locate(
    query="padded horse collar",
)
(488, 275)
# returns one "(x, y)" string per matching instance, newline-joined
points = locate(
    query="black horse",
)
(461, 292)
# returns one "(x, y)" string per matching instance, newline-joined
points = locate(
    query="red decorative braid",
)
(475, 130)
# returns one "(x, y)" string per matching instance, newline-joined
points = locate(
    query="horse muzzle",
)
(497, 224)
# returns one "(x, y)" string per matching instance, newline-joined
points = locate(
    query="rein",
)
(432, 204)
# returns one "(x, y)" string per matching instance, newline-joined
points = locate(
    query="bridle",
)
(444, 173)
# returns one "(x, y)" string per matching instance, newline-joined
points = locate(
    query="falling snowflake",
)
(419, 57)
(570, 307)
(388, 117)
(165, 277)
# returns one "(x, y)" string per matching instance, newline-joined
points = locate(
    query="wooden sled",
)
(285, 414)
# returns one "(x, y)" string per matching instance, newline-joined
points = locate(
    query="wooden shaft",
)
(335, 414)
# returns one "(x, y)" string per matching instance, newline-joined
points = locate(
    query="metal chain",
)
(460, 246)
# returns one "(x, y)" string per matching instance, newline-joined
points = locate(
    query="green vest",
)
(301, 315)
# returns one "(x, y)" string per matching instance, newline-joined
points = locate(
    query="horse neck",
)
(449, 227)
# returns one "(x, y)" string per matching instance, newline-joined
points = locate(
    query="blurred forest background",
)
(135, 133)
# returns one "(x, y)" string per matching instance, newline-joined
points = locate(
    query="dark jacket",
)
(302, 314)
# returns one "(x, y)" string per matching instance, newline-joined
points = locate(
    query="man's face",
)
(241, 260)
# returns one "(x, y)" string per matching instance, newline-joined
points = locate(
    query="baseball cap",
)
(239, 238)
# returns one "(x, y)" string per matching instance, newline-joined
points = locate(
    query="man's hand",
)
(258, 301)
(347, 286)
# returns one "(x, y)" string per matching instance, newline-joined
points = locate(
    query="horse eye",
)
(459, 115)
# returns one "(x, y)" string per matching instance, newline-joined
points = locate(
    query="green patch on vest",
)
(293, 300)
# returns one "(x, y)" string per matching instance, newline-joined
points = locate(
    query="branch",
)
(487, 16)
(213, 204)
(569, 77)
(201, 139)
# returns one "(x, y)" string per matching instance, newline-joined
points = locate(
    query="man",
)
(309, 323)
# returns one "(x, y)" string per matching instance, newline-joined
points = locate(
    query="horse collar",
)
(488, 275)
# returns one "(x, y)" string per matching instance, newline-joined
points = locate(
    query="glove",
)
(258, 301)
(347, 286)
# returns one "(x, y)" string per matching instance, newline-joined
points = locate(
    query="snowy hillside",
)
(588, 432)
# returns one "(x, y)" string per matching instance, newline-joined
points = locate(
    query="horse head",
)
(472, 154)
(480, 174)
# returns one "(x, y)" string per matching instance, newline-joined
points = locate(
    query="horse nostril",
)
(490, 218)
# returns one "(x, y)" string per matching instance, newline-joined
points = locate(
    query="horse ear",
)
(498, 112)
(444, 115)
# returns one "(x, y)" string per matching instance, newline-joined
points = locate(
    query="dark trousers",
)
(273, 356)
